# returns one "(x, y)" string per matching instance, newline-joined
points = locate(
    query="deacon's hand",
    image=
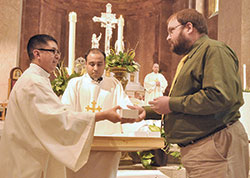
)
(161, 105)
(158, 83)
(142, 112)
(110, 115)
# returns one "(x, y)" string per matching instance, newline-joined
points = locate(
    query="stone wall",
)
(144, 24)
(10, 27)
(234, 30)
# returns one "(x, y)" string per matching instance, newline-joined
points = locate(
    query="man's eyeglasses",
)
(54, 51)
(171, 29)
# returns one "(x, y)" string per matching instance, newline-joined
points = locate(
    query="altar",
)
(121, 142)
(126, 143)
(140, 174)
(244, 111)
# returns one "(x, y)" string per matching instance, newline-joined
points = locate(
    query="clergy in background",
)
(42, 136)
(154, 84)
(95, 92)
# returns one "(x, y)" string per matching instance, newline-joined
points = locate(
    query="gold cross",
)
(93, 107)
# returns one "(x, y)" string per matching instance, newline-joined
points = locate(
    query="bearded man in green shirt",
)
(202, 110)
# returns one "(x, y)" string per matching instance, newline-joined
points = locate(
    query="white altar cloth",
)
(244, 111)
(140, 174)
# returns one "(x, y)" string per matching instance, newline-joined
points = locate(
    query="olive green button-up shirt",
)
(207, 93)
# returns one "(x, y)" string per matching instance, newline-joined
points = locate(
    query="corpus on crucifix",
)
(108, 21)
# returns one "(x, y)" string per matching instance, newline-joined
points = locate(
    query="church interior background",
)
(145, 24)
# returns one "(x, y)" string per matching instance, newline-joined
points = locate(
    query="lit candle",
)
(244, 77)
(120, 34)
(72, 37)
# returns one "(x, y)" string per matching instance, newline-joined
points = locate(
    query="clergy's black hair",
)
(36, 41)
(95, 51)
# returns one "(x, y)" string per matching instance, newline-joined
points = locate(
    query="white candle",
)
(136, 77)
(72, 37)
(120, 34)
(244, 77)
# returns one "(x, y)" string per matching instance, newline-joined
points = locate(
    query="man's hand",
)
(161, 105)
(142, 112)
(158, 84)
(112, 116)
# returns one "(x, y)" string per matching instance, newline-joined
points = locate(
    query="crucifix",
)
(93, 107)
(108, 21)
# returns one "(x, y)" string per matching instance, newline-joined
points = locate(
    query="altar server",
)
(155, 84)
(41, 136)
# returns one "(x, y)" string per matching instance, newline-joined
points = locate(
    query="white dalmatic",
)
(150, 84)
(85, 94)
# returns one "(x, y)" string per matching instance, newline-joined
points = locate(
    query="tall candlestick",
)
(120, 44)
(72, 37)
(244, 77)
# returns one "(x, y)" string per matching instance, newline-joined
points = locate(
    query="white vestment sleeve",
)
(40, 131)
(66, 135)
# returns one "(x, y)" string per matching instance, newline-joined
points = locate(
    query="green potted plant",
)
(120, 64)
(62, 77)
(148, 158)
(122, 60)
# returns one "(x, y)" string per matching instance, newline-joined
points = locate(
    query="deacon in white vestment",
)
(42, 136)
(94, 92)
(154, 84)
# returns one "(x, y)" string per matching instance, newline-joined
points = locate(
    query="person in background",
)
(202, 109)
(154, 84)
(42, 136)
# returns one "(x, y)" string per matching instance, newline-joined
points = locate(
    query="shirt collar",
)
(39, 70)
(197, 45)
(91, 80)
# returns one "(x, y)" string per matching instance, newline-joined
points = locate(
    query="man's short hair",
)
(191, 15)
(95, 51)
(35, 42)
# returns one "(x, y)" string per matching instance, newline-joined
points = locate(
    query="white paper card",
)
(129, 113)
